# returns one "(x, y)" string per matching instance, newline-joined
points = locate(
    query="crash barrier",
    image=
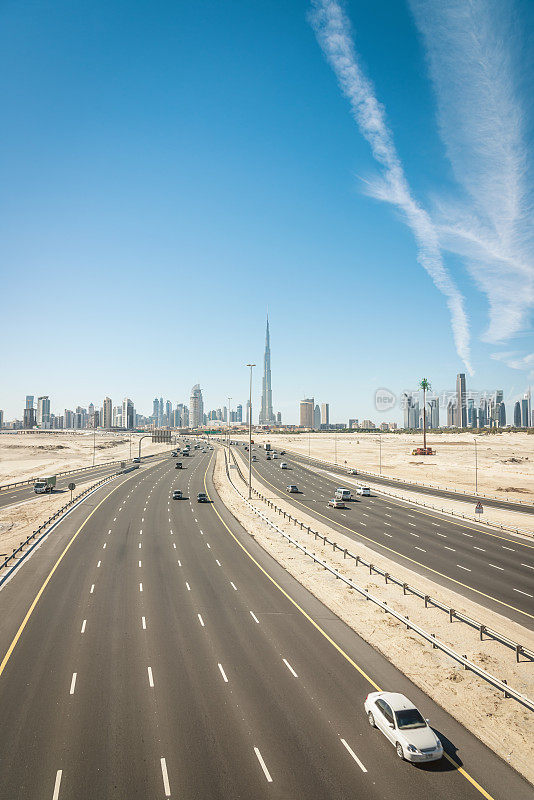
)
(461, 496)
(43, 528)
(412, 501)
(71, 471)
(432, 602)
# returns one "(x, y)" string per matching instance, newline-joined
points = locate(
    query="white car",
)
(365, 490)
(336, 502)
(343, 494)
(401, 722)
(283, 465)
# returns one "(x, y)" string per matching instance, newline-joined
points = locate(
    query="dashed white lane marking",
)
(290, 668)
(150, 677)
(179, 563)
(263, 765)
(353, 754)
(527, 565)
(114, 519)
(414, 534)
(188, 587)
(496, 567)
(387, 523)
(208, 545)
(441, 534)
(482, 549)
(98, 564)
(525, 593)
(84, 623)
(362, 523)
(174, 545)
(200, 620)
(232, 584)
(140, 587)
(449, 548)
(139, 545)
(469, 535)
(139, 563)
(92, 588)
(73, 683)
(225, 679)
(254, 617)
(104, 546)
(435, 524)
(388, 534)
(419, 548)
(57, 784)
(166, 784)
(508, 548)
(466, 568)
(141, 532)
(109, 531)
(172, 533)
(218, 562)
(412, 524)
(143, 623)
(388, 515)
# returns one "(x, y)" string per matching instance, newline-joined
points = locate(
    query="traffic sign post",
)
(72, 487)
(478, 508)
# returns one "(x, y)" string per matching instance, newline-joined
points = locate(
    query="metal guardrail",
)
(412, 501)
(484, 630)
(508, 691)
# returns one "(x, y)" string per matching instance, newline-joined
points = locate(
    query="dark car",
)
(177, 494)
(202, 497)
(178, 465)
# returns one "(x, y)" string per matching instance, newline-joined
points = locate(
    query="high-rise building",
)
(43, 411)
(29, 418)
(168, 413)
(155, 410)
(325, 414)
(266, 411)
(107, 417)
(432, 414)
(317, 417)
(128, 414)
(307, 408)
(29, 401)
(1, 419)
(517, 415)
(483, 413)
(196, 407)
(461, 407)
(524, 411)
(278, 417)
(451, 414)
(239, 413)
(248, 412)
(68, 419)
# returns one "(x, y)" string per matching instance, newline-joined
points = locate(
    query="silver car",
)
(400, 721)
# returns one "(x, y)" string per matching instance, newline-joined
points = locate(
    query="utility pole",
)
(250, 434)
(476, 468)
(229, 402)
(94, 441)
(380, 450)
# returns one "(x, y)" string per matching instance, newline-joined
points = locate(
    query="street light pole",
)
(476, 468)
(94, 441)
(380, 448)
(250, 434)
(229, 401)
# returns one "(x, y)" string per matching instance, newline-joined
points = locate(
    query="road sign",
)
(478, 508)
(72, 487)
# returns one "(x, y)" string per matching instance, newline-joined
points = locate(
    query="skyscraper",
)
(107, 415)
(317, 417)
(307, 408)
(461, 407)
(196, 407)
(128, 414)
(43, 411)
(325, 414)
(266, 412)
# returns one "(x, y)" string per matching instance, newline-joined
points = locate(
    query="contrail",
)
(473, 49)
(332, 30)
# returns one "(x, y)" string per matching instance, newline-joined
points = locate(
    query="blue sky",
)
(171, 170)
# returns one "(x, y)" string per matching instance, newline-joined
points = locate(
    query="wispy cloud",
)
(333, 33)
(517, 361)
(472, 46)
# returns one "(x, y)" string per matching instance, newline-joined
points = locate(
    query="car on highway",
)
(364, 490)
(282, 452)
(202, 497)
(283, 465)
(275, 455)
(292, 489)
(268, 458)
(336, 502)
(254, 458)
(402, 723)
(136, 460)
(177, 494)
(353, 471)
(343, 494)
(178, 465)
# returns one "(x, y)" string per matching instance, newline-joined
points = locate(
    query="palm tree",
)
(425, 386)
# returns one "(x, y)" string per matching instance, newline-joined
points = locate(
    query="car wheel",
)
(400, 751)
(371, 719)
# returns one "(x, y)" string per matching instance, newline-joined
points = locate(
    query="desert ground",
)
(505, 460)
(28, 455)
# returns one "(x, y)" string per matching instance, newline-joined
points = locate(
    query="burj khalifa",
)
(266, 413)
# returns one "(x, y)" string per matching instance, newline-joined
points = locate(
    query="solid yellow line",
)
(334, 644)
(48, 578)
(391, 550)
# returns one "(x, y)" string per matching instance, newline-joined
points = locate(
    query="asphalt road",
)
(19, 494)
(493, 568)
(507, 505)
(168, 655)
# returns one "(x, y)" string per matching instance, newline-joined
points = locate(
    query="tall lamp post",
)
(476, 468)
(94, 441)
(229, 401)
(380, 449)
(250, 434)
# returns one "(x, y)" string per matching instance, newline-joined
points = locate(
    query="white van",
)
(364, 490)
(343, 494)
(283, 465)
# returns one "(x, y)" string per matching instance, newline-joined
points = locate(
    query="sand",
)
(474, 703)
(27, 455)
(505, 460)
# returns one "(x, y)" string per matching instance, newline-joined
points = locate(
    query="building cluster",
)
(38, 415)
(465, 409)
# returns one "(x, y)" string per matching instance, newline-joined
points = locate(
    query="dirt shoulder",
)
(474, 703)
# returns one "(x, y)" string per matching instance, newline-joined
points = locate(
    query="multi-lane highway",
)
(508, 505)
(19, 494)
(153, 649)
(492, 568)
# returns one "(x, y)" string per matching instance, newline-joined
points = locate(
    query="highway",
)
(153, 650)
(493, 568)
(19, 494)
(507, 505)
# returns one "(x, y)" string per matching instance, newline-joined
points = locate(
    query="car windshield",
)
(410, 718)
